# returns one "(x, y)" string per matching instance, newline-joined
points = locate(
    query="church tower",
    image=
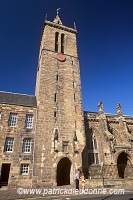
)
(59, 138)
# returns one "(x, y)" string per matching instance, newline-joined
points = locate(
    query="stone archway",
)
(122, 161)
(63, 171)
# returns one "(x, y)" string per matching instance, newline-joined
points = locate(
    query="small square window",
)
(24, 169)
(13, 119)
(9, 144)
(26, 145)
(29, 121)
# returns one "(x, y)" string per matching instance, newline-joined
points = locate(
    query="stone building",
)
(17, 130)
(45, 138)
(109, 143)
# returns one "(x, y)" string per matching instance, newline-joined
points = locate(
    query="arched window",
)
(62, 42)
(94, 143)
(93, 156)
(56, 41)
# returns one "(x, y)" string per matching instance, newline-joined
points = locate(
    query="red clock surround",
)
(61, 57)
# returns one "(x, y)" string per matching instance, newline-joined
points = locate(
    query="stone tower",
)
(59, 138)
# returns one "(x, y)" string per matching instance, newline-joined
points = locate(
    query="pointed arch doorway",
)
(122, 164)
(64, 172)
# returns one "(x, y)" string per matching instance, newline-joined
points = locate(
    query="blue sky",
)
(105, 47)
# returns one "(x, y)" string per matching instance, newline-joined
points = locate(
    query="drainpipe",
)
(34, 148)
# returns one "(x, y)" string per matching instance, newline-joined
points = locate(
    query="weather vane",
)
(74, 25)
(58, 10)
(46, 16)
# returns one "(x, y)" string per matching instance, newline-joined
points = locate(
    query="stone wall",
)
(19, 133)
(114, 137)
(59, 114)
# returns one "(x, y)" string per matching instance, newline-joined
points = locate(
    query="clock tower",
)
(59, 138)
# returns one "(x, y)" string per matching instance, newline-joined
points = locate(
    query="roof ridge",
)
(17, 93)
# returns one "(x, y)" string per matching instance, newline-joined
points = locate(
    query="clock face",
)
(61, 57)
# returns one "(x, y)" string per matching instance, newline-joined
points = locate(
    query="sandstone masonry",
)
(45, 138)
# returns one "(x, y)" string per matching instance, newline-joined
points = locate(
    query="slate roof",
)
(18, 99)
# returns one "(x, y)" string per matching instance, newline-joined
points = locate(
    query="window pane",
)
(26, 145)
(24, 169)
(29, 121)
(13, 119)
(9, 144)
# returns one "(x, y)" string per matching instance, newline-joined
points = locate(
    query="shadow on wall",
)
(85, 165)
